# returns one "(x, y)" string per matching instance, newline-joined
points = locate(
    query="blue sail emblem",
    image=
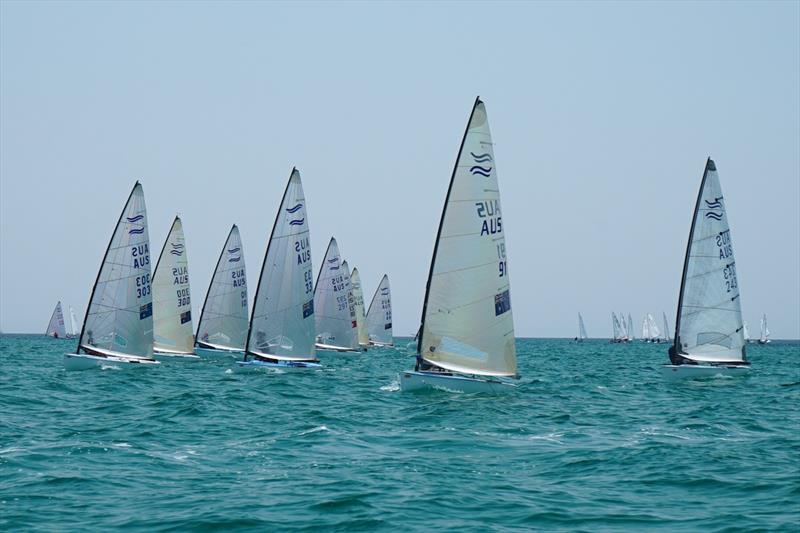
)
(481, 158)
(714, 204)
(479, 169)
(385, 291)
(294, 209)
(137, 218)
(136, 231)
(177, 249)
(232, 255)
(298, 222)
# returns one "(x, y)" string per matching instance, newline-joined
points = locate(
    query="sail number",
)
(307, 278)
(142, 285)
(725, 247)
(183, 297)
(502, 266)
(488, 213)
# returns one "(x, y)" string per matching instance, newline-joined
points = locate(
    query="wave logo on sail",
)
(332, 262)
(294, 209)
(385, 292)
(715, 204)
(177, 249)
(479, 169)
(298, 222)
(233, 258)
(132, 220)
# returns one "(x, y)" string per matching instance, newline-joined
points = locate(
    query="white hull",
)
(242, 367)
(83, 361)
(678, 372)
(332, 348)
(415, 381)
(175, 356)
(381, 344)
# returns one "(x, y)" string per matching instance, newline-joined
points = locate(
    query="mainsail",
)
(331, 302)
(764, 330)
(709, 320)
(630, 327)
(75, 330)
(615, 326)
(282, 324)
(666, 326)
(172, 304)
(55, 328)
(119, 317)
(467, 323)
(379, 315)
(581, 328)
(223, 320)
(358, 300)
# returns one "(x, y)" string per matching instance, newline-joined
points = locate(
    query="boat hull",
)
(419, 381)
(255, 366)
(339, 349)
(176, 356)
(215, 352)
(679, 372)
(83, 361)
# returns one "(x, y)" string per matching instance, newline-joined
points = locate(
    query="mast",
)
(709, 166)
(211, 283)
(439, 232)
(103, 262)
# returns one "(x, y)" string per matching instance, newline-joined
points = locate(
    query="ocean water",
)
(593, 440)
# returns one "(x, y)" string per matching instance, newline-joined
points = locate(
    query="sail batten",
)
(708, 325)
(224, 318)
(467, 323)
(119, 317)
(282, 320)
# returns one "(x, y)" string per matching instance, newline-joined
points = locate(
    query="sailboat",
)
(616, 329)
(631, 337)
(666, 327)
(581, 330)
(173, 333)
(764, 339)
(747, 338)
(55, 328)
(118, 327)
(709, 332)
(467, 329)
(282, 331)
(352, 308)
(74, 329)
(358, 304)
(222, 329)
(650, 331)
(336, 329)
(379, 316)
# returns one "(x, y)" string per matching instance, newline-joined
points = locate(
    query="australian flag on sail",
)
(502, 303)
(145, 311)
(308, 308)
(388, 326)
(186, 316)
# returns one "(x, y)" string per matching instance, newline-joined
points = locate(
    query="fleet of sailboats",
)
(466, 337)
(467, 329)
(709, 331)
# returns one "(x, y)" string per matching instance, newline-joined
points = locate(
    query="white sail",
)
(630, 327)
(746, 332)
(351, 306)
(282, 326)
(645, 329)
(666, 326)
(624, 330)
(172, 304)
(581, 328)
(379, 314)
(764, 329)
(331, 302)
(652, 327)
(55, 328)
(75, 330)
(119, 318)
(223, 320)
(467, 323)
(710, 324)
(615, 326)
(358, 300)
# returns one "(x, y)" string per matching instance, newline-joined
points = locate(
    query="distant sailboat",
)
(616, 327)
(336, 330)
(650, 331)
(631, 336)
(764, 339)
(352, 308)
(747, 338)
(709, 332)
(74, 329)
(358, 301)
(55, 328)
(173, 333)
(379, 315)
(118, 328)
(666, 327)
(282, 331)
(467, 334)
(581, 330)
(223, 324)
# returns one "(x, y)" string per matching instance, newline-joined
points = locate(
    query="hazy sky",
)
(602, 116)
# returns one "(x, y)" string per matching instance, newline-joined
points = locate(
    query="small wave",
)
(394, 386)
(314, 430)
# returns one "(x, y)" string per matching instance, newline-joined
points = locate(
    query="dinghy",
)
(358, 304)
(173, 333)
(222, 329)
(336, 329)
(630, 328)
(709, 332)
(281, 333)
(764, 338)
(379, 316)
(581, 330)
(74, 329)
(118, 327)
(55, 328)
(466, 342)
(747, 338)
(666, 327)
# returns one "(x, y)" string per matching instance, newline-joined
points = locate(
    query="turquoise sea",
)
(593, 440)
